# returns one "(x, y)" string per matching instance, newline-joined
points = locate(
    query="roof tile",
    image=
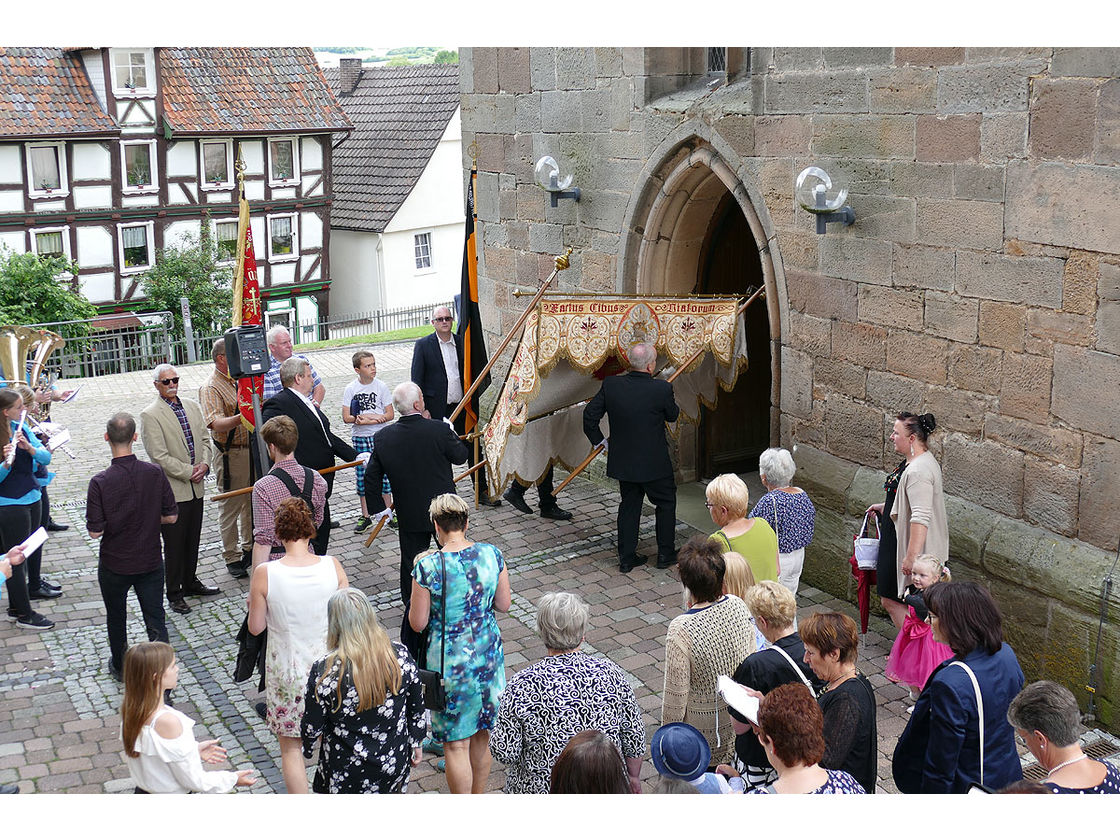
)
(44, 92)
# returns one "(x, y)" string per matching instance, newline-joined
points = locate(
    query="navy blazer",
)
(639, 407)
(416, 454)
(939, 751)
(429, 373)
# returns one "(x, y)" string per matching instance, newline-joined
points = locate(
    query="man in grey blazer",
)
(175, 437)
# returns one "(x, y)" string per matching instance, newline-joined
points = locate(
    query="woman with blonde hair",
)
(737, 580)
(456, 590)
(365, 699)
(160, 751)
(288, 597)
(728, 501)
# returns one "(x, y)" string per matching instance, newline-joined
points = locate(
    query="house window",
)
(133, 73)
(282, 244)
(136, 249)
(283, 165)
(51, 242)
(138, 163)
(225, 237)
(217, 164)
(46, 170)
(717, 59)
(422, 244)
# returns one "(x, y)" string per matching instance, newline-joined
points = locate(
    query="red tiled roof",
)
(45, 93)
(270, 89)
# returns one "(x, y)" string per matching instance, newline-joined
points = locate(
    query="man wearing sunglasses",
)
(175, 437)
(437, 367)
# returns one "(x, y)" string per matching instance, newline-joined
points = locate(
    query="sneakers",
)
(34, 621)
(363, 524)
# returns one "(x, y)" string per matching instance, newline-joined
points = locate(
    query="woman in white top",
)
(288, 597)
(160, 751)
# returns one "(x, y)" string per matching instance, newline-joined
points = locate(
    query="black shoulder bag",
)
(435, 697)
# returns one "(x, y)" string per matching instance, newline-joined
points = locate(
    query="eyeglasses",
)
(710, 505)
(172, 381)
(442, 318)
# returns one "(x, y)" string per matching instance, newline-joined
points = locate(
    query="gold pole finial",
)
(472, 150)
(239, 168)
(562, 260)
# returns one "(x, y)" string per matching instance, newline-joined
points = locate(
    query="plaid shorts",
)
(365, 444)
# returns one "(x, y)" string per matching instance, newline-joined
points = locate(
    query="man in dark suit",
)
(638, 456)
(318, 445)
(437, 369)
(417, 454)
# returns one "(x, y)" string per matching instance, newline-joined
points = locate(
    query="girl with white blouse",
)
(160, 751)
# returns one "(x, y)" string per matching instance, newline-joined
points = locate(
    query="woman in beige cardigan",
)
(918, 512)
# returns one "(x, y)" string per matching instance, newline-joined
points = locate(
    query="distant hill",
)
(329, 56)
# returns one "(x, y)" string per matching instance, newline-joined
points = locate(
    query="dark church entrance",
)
(734, 434)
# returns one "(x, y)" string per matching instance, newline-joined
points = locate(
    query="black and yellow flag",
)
(470, 317)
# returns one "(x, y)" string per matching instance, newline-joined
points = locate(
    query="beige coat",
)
(167, 446)
(921, 500)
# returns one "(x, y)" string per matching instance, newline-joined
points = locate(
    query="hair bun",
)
(928, 423)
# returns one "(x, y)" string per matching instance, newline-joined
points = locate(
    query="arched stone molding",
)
(663, 231)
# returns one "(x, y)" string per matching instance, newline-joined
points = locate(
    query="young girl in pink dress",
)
(915, 652)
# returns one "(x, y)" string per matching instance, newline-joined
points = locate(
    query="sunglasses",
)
(173, 381)
(443, 318)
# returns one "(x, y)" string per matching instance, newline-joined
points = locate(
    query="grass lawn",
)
(371, 338)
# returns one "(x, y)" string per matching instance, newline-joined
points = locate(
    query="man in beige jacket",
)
(175, 438)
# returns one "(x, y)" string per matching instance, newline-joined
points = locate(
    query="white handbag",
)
(866, 548)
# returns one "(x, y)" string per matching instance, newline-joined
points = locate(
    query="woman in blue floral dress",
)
(469, 581)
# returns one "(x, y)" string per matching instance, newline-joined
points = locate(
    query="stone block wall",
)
(981, 280)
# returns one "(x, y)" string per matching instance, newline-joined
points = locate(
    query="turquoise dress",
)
(474, 671)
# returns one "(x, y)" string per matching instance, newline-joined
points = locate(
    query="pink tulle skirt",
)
(915, 653)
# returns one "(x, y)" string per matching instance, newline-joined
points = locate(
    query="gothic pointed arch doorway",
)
(695, 230)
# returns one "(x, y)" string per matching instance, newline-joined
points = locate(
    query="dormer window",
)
(133, 72)
(46, 170)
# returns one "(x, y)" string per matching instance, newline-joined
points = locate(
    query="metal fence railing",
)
(140, 341)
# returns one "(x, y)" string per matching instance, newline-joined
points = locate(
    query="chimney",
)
(349, 71)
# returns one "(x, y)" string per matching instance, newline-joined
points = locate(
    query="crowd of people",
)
(803, 719)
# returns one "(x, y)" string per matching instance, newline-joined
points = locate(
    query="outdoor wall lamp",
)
(815, 192)
(547, 174)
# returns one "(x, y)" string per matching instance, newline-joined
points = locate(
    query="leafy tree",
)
(190, 269)
(447, 57)
(36, 290)
(399, 61)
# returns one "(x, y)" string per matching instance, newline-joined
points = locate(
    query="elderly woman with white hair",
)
(788, 510)
(563, 694)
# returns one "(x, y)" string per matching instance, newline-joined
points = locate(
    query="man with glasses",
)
(437, 367)
(230, 438)
(174, 436)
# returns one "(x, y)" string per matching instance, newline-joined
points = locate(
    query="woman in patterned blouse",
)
(789, 512)
(365, 699)
(565, 693)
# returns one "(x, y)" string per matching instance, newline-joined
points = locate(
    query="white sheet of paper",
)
(36, 539)
(58, 440)
(76, 390)
(737, 698)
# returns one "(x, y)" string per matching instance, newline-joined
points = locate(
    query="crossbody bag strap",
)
(979, 712)
(796, 670)
(774, 501)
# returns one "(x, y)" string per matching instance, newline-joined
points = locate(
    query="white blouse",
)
(173, 765)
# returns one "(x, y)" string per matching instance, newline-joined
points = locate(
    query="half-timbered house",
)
(108, 155)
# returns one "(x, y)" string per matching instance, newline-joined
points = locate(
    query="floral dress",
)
(474, 671)
(368, 751)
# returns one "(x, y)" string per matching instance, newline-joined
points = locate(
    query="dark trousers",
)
(323, 532)
(180, 548)
(411, 544)
(662, 494)
(114, 592)
(544, 488)
(16, 524)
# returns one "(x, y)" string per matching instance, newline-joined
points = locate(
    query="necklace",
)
(1054, 770)
(842, 679)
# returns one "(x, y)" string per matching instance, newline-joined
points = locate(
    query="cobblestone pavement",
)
(58, 718)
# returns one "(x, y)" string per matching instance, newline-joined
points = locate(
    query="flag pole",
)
(456, 479)
(561, 264)
(597, 449)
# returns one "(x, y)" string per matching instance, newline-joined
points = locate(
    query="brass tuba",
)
(15, 347)
(48, 342)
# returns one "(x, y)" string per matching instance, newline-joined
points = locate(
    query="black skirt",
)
(886, 570)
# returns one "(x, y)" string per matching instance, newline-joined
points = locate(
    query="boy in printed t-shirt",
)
(367, 405)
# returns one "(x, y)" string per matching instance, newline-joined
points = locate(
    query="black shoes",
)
(43, 593)
(114, 672)
(488, 502)
(236, 570)
(179, 605)
(55, 526)
(335, 523)
(625, 568)
(262, 710)
(555, 512)
(200, 588)
(34, 621)
(517, 501)
(666, 562)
